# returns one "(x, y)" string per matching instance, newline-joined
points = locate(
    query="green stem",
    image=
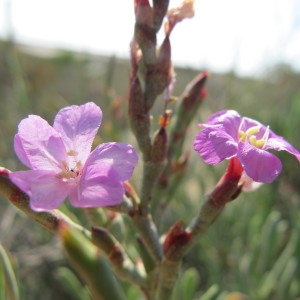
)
(118, 257)
(91, 265)
(148, 233)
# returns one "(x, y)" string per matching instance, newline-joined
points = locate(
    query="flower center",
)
(250, 136)
(71, 170)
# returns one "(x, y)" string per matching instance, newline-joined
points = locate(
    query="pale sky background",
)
(246, 36)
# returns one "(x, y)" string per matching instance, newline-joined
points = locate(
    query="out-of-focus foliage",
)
(253, 248)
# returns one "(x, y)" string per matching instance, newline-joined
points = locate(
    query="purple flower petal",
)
(259, 164)
(101, 182)
(221, 116)
(215, 145)
(19, 149)
(78, 126)
(278, 143)
(121, 157)
(45, 190)
(227, 120)
(100, 185)
(38, 145)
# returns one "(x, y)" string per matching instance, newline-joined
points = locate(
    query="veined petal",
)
(44, 189)
(248, 123)
(278, 143)
(98, 187)
(78, 126)
(38, 145)
(222, 115)
(215, 145)
(227, 120)
(19, 149)
(259, 164)
(121, 157)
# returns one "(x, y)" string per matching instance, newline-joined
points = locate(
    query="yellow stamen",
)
(252, 130)
(260, 143)
(250, 134)
(242, 136)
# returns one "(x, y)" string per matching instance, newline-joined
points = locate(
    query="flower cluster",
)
(227, 135)
(62, 163)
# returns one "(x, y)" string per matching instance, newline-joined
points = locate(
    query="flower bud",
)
(228, 188)
(177, 237)
(159, 8)
(159, 77)
(195, 91)
(139, 119)
(160, 146)
(144, 32)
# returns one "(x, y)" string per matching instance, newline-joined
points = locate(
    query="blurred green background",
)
(253, 248)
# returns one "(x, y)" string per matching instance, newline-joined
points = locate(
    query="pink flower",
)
(227, 135)
(62, 163)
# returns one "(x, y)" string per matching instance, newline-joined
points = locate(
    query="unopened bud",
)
(195, 91)
(160, 146)
(144, 32)
(138, 117)
(161, 75)
(177, 237)
(135, 101)
(160, 9)
(228, 188)
(143, 12)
